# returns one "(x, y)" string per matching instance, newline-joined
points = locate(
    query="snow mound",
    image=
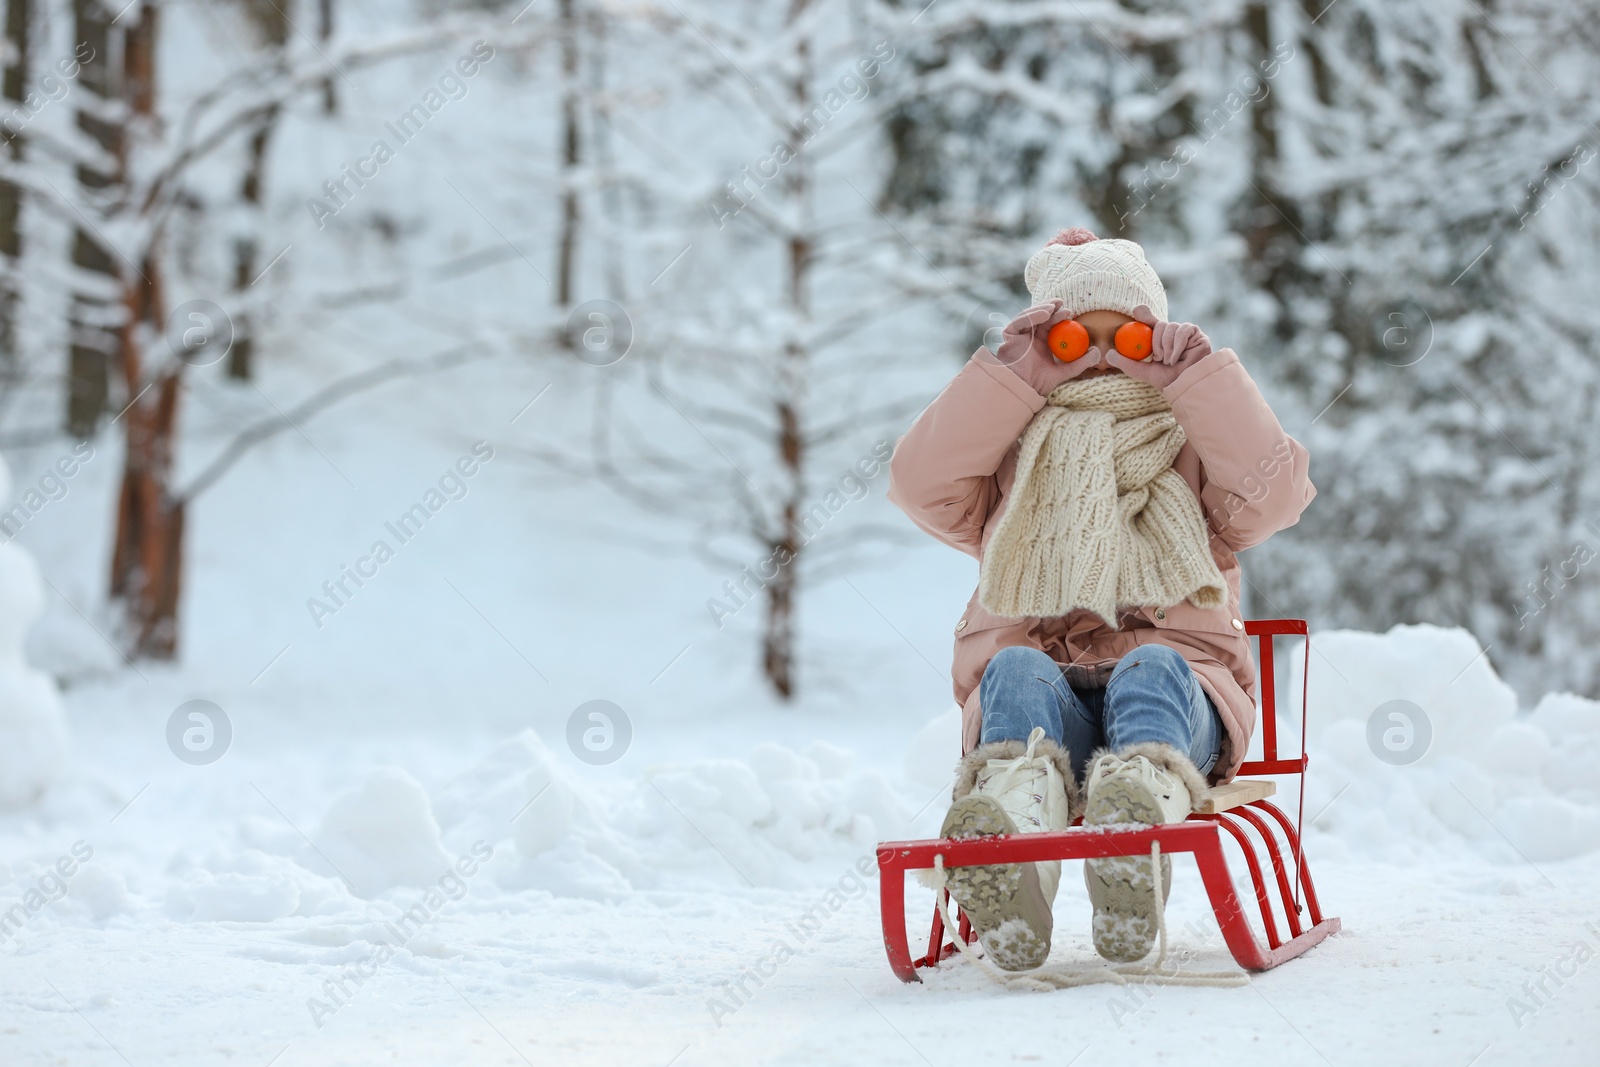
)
(770, 818)
(253, 895)
(1573, 723)
(932, 754)
(383, 835)
(251, 885)
(1415, 742)
(777, 818)
(33, 732)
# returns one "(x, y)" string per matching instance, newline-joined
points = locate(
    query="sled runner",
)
(1234, 809)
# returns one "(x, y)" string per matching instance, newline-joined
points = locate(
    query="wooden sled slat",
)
(1236, 794)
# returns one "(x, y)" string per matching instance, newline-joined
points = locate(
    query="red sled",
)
(1237, 808)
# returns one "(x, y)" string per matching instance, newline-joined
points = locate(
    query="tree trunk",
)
(93, 342)
(330, 97)
(603, 156)
(568, 245)
(778, 641)
(1271, 230)
(241, 357)
(778, 645)
(147, 550)
(246, 250)
(13, 86)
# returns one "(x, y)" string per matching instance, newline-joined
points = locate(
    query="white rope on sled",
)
(1048, 978)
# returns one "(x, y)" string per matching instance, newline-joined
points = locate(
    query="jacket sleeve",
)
(1256, 478)
(942, 473)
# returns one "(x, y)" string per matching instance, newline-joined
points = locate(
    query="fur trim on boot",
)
(1168, 759)
(975, 761)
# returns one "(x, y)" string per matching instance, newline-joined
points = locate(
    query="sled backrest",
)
(1264, 630)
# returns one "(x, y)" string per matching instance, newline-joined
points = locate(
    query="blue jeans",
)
(1152, 695)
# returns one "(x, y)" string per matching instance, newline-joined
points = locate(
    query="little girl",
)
(1105, 498)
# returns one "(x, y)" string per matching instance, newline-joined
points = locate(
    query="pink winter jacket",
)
(952, 474)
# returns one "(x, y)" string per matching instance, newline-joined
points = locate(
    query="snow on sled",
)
(1237, 809)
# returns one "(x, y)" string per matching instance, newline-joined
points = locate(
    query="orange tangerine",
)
(1068, 340)
(1134, 340)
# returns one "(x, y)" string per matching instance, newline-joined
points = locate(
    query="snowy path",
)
(1418, 977)
(147, 961)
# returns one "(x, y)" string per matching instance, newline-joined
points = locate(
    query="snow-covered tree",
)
(1031, 116)
(139, 139)
(1434, 328)
(765, 289)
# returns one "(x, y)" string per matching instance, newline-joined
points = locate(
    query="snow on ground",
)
(402, 858)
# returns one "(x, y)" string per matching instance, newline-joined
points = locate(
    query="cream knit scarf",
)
(1098, 518)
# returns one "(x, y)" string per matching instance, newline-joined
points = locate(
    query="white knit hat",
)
(1087, 273)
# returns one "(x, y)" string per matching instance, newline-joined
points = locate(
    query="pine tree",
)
(1436, 342)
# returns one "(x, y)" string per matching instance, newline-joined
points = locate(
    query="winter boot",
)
(1004, 788)
(1147, 784)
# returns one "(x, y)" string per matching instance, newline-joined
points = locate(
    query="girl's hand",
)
(1174, 348)
(1023, 348)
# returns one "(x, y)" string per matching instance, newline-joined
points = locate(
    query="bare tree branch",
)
(318, 402)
